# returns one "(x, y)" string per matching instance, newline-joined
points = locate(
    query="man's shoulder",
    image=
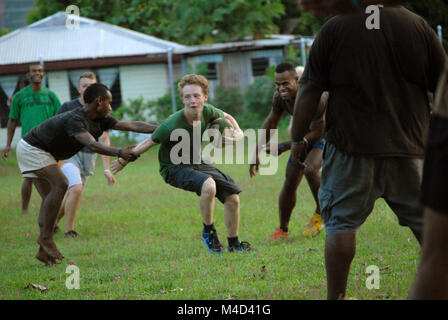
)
(22, 92)
(170, 123)
(278, 104)
(211, 107)
(74, 114)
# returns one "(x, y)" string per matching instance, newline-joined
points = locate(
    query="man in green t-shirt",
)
(32, 105)
(184, 169)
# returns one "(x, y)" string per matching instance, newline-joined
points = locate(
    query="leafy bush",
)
(162, 107)
(249, 120)
(133, 110)
(258, 98)
(230, 101)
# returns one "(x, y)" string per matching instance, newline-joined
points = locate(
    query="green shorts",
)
(351, 184)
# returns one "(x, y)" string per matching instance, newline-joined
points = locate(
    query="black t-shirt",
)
(69, 106)
(377, 81)
(56, 135)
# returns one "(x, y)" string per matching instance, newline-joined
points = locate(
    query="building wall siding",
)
(147, 81)
(58, 83)
(235, 70)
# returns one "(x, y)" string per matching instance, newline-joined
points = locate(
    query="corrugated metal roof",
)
(50, 40)
(272, 41)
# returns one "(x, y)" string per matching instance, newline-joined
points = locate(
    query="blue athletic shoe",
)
(212, 242)
(243, 246)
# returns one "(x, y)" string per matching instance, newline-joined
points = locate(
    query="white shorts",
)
(31, 159)
(73, 175)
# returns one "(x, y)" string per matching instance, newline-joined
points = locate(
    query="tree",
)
(184, 21)
(4, 31)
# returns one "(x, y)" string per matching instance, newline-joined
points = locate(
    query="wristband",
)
(119, 153)
(107, 171)
(357, 3)
(303, 141)
(281, 146)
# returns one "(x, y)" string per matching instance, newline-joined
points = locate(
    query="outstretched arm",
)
(12, 124)
(87, 140)
(270, 123)
(135, 126)
(120, 163)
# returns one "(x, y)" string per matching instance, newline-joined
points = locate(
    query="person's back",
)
(378, 81)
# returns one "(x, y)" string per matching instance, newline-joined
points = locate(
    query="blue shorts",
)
(318, 145)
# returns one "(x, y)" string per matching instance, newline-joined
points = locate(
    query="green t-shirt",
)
(33, 108)
(177, 121)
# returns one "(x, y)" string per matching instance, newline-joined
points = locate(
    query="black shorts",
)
(191, 177)
(435, 171)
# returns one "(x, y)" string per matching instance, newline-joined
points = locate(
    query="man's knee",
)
(76, 190)
(233, 200)
(61, 185)
(209, 188)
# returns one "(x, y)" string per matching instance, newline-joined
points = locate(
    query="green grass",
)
(141, 240)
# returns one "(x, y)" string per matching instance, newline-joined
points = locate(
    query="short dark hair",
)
(94, 91)
(32, 64)
(285, 66)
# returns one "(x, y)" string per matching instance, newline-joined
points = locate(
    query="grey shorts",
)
(351, 184)
(191, 177)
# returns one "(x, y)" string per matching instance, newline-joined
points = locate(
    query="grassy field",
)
(141, 240)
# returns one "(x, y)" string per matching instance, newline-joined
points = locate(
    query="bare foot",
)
(50, 248)
(45, 257)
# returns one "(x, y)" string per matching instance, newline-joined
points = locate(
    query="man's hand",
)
(118, 165)
(296, 150)
(272, 149)
(109, 177)
(6, 152)
(253, 168)
(128, 154)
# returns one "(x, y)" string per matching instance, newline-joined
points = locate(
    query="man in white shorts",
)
(61, 137)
